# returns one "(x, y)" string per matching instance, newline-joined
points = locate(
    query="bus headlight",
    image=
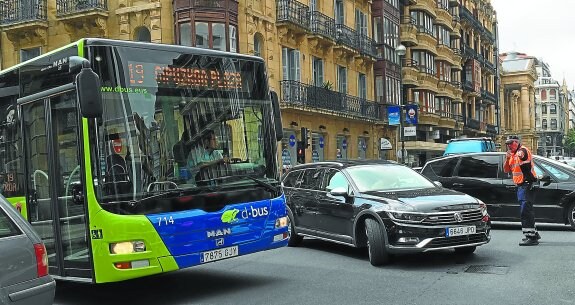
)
(281, 222)
(127, 247)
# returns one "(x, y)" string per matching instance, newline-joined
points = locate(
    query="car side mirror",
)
(437, 183)
(339, 191)
(546, 180)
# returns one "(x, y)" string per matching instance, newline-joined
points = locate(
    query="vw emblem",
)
(219, 242)
(458, 217)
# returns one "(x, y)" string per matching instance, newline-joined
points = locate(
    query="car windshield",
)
(388, 177)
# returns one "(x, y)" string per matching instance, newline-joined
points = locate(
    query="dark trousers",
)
(525, 195)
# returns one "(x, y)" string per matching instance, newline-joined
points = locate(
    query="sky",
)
(540, 28)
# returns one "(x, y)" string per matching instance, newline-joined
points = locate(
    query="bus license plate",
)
(459, 231)
(218, 254)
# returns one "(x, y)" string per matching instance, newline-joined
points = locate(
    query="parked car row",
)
(384, 206)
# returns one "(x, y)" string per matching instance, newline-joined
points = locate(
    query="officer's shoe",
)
(537, 236)
(529, 242)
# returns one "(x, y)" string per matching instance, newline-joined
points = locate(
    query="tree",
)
(569, 141)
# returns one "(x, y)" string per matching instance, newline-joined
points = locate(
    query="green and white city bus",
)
(133, 159)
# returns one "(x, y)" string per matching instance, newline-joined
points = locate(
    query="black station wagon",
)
(384, 206)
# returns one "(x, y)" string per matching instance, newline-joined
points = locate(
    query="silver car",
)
(24, 275)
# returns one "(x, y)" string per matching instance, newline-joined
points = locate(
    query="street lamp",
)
(400, 50)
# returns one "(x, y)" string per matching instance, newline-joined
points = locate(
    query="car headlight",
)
(127, 247)
(406, 217)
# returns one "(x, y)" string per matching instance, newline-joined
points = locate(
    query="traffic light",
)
(300, 152)
(305, 136)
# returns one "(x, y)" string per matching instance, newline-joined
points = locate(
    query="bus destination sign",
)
(143, 74)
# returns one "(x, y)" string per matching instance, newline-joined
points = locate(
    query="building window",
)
(339, 12)
(342, 146)
(425, 60)
(27, 54)
(219, 36)
(377, 30)
(342, 79)
(185, 30)
(442, 35)
(317, 71)
(544, 109)
(543, 94)
(394, 3)
(390, 33)
(361, 86)
(544, 124)
(143, 34)
(362, 147)
(424, 21)
(202, 35)
(553, 109)
(443, 107)
(425, 99)
(233, 39)
(392, 90)
(553, 124)
(258, 45)
(291, 64)
(553, 94)
(444, 71)
(379, 89)
(361, 22)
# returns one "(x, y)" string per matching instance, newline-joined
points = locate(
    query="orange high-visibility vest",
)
(515, 163)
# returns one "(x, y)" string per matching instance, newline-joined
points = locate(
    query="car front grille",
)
(450, 217)
(457, 240)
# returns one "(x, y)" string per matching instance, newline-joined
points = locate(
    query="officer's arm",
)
(506, 167)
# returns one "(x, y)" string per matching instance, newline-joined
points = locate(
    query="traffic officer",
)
(519, 162)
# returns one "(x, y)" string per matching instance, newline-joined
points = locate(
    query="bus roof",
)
(143, 45)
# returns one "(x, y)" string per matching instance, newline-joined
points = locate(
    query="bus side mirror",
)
(89, 94)
(277, 116)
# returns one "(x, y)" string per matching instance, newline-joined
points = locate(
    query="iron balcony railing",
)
(295, 93)
(489, 35)
(346, 36)
(230, 4)
(468, 51)
(473, 124)
(459, 118)
(468, 85)
(322, 25)
(492, 129)
(19, 11)
(464, 13)
(64, 7)
(367, 46)
(488, 96)
(456, 84)
(294, 12)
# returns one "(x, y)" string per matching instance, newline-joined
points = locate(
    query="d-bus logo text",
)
(231, 216)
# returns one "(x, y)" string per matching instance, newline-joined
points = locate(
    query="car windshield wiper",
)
(256, 180)
(173, 192)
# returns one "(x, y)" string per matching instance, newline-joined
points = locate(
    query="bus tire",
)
(376, 243)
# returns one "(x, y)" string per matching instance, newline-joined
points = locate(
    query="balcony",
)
(443, 16)
(427, 116)
(81, 14)
(346, 36)
(322, 29)
(456, 58)
(298, 95)
(468, 52)
(292, 16)
(459, 122)
(408, 31)
(487, 33)
(427, 6)
(473, 124)
(367, 46)
(469, 18)
(446, 120)
(491, 129)
(22, 19)
(426, 40)
(488, 96)
(409, 73)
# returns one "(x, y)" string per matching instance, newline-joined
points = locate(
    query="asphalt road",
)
(324, 273)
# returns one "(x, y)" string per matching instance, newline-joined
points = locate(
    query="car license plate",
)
(218, 254)
(459, 231)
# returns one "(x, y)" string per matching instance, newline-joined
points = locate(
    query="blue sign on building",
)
(393, 115)
(292, 140)
(411, 114)
(344, 144)
(321, 142)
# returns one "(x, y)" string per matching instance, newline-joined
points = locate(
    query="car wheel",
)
(571, 215)
(293, 240)
(465, 250)
(375, 243)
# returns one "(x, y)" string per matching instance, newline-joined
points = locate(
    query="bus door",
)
(53, 180)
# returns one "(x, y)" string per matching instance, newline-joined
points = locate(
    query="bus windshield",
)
(181, 123)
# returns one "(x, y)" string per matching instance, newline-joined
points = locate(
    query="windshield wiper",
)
(256, 180)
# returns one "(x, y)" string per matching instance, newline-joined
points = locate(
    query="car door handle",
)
(511, 187)
(458, 184)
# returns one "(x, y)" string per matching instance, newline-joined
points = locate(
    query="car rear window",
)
(7, 227)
